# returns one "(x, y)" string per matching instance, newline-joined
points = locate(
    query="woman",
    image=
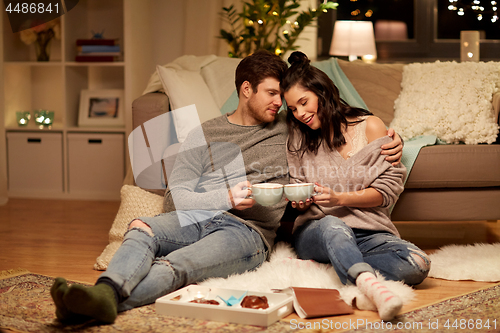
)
(347, 223)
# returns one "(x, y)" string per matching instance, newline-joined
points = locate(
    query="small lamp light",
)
(44, 118)
(469, 45)
(23, 118)
(353, 39)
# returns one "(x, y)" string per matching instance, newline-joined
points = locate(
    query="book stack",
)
(97, 50)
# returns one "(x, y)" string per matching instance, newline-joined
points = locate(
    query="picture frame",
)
(101, 108)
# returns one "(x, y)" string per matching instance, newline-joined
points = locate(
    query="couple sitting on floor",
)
(212, 228)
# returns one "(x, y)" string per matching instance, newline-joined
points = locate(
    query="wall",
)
(183, 27)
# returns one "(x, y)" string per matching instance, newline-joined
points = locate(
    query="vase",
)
(42, 45)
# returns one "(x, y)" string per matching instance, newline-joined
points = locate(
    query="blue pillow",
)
(231, 103)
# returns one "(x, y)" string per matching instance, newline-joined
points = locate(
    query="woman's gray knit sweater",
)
(366, 168)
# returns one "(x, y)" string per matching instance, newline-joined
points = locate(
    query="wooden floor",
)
(64, 237)
(55, 237)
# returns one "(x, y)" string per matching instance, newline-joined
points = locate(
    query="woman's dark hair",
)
(257, 67)
(332, 110)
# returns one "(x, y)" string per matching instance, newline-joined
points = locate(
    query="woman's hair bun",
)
(298, 58)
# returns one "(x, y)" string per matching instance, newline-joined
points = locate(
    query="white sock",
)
(388, 304)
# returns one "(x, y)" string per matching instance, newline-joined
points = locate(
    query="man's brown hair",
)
(257, 67)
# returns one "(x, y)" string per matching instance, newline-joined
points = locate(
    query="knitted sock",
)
(97, 302)
(388, 304)
(63, 314)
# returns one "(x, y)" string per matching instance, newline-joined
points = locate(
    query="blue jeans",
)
(213, 244)
(353, 251)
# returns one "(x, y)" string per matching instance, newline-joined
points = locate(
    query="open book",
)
(316, 302)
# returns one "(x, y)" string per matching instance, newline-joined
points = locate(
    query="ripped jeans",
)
(353, 251)
(181, 248)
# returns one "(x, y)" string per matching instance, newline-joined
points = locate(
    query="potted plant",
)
(273, 25)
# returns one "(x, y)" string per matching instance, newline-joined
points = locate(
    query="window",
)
(432, 30)
(392, 19)
(467, 17)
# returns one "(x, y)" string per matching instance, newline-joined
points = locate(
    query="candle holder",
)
(44, 118)
(23, 118)
(469, 45)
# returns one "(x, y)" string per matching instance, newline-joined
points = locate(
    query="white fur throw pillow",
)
(450, 100)
(135, 202)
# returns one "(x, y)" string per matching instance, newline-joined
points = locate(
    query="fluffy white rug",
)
(284, 270)
(478, 262)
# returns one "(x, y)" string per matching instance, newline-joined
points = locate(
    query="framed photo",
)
(101, 108)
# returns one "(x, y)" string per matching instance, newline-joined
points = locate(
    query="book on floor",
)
(317, 302)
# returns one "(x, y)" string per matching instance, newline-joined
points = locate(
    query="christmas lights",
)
(481, 9)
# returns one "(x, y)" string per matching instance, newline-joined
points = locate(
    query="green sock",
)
(97, 302)
(57, 291)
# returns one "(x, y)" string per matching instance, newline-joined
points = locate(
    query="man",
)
(211, 228)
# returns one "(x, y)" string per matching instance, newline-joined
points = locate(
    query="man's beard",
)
(259, 113)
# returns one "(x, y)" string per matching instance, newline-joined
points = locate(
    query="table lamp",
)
(353, 39)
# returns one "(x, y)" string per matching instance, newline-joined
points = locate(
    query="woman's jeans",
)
(184, 248)
(353, 251)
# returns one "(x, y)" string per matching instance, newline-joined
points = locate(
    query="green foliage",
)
(273, 25)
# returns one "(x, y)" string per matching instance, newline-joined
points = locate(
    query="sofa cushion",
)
(378, 85)
(453, 166)
(448, 99)
(456, 204)
(135, 202)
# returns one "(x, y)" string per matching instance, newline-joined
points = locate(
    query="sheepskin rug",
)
(478, 262)
(285, 270)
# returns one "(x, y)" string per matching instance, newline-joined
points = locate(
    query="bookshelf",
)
(28, 85)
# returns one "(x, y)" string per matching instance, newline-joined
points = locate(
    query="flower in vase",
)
(41, 35)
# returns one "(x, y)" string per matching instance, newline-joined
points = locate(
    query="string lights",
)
(481, 9)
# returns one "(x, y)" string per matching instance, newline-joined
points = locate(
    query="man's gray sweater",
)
(219, 155)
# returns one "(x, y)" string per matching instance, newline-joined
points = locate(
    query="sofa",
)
(450, 182)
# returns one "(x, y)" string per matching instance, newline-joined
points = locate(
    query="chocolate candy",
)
(255, 302)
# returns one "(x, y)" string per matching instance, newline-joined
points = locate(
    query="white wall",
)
(184, 27)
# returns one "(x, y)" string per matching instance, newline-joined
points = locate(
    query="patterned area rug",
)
(26, 306)
(475, 312)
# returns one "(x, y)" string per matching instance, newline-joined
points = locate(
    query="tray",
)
(280, 305)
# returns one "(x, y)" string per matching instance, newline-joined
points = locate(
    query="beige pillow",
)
(378, 85)
(184, 89)
(219, 77)
(135, 202)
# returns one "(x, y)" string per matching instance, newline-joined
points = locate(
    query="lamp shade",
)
(353, 38)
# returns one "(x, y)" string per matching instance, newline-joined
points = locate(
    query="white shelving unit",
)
(27, 85)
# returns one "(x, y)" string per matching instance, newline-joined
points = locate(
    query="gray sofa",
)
(446, 183)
